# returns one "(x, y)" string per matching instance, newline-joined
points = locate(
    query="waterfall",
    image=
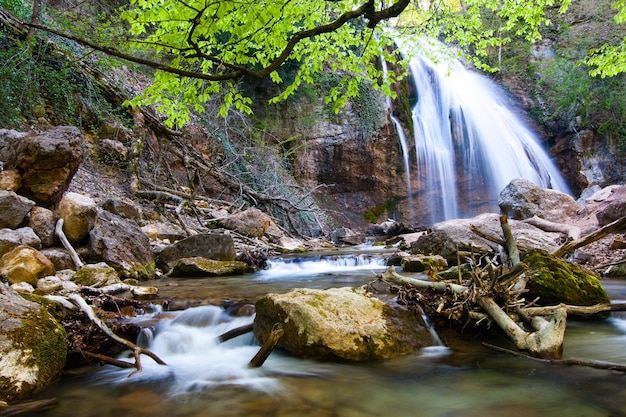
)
(469, 142)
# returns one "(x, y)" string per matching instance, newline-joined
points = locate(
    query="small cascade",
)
(290, 268)
(196, 360)
(469, 142)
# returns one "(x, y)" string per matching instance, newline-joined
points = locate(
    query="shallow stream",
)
(204, 378)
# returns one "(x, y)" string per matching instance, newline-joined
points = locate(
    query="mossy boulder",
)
(421, 263)
(96, 275)
(202, 267)
(339, 323)
(556, 281)
(33, 349)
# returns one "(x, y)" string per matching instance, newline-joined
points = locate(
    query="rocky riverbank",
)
(68, 228)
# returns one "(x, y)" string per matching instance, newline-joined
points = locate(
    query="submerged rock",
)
(339, 323)
(556, 281)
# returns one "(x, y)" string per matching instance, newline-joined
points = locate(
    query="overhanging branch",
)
(366, 10)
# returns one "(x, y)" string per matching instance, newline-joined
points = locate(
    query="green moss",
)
(44, 338)
(55, 308)
(374, 214)
(557, 281)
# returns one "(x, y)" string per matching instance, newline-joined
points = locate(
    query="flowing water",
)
(208, 379)
(469, 141)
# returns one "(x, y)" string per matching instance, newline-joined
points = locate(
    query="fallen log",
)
(67, 245)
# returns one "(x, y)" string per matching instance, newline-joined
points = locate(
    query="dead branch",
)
(577, 362)
(231, 334)
(102, 359)
(67, 245)
(572, 232)
(391, 276)
(576, 310)
(267, 348)
(137, 351)
(592, 237)
(511, 246)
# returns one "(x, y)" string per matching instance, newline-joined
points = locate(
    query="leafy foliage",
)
(201, 48)
(609, 60)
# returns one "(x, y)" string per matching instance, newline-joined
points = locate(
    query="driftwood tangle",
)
(495, 293)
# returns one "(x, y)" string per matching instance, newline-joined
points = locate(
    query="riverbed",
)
(205, 378)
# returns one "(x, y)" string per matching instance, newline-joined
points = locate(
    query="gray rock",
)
(449, 236)
(203, 267)
(46, 161)
(43, 222)
(217, 246)
(13, 209)
(124, 208)
(123, 245)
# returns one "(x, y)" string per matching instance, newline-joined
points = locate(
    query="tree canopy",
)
(204, 48)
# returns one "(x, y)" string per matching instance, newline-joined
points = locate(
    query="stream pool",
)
(207, 379)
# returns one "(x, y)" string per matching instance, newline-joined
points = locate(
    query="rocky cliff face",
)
(581, 117)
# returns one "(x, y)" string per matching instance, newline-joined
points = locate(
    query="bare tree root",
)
(137, 351)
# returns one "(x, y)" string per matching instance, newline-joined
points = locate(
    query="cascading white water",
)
(469, 141)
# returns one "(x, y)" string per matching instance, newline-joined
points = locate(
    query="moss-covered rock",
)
(96, 275)
(339, 323)
(421, 263)
(33, 348)
(202, 267)
(556, 281)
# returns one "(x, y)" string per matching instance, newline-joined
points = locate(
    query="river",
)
(204, 378)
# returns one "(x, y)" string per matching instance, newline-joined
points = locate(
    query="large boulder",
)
(342, 323)
(25, 264)
(46, 161)
(13, 209)
(79, 213)
(556, 281)
(522, 199)
(448, 237)
(32, 346)
(122, 244)
(253, 223)
(216, 246)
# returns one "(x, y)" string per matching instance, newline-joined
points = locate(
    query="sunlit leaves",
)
(218, 38)
(610, 60)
